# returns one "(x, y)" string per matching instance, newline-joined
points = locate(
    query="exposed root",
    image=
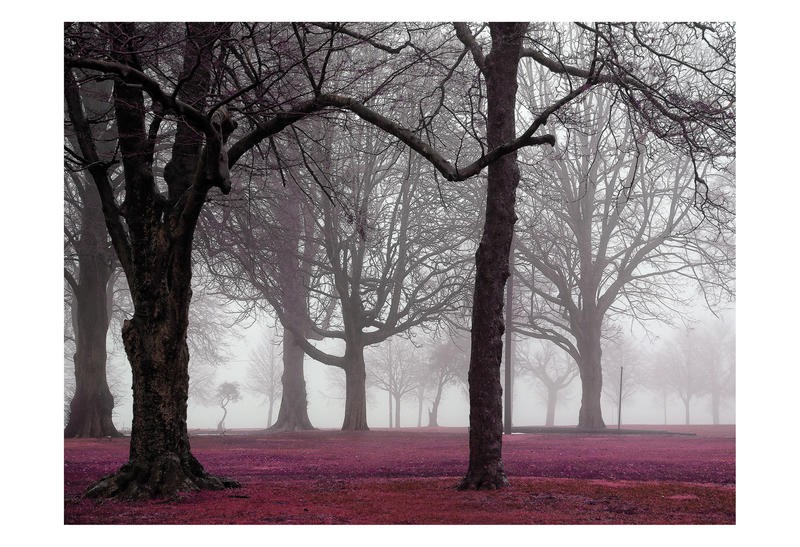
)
(484, 481)
(162, 478)
(290, 428)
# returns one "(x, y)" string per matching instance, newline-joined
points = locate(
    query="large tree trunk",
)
(491, 260)
(293, 412)
(92, 404)
(355, 403)
(160, 463)
(159, 273)
(508, 367)
(590, 415)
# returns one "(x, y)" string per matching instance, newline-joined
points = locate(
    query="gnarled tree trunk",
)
(160, 463)
(485, 469)
(156, 254)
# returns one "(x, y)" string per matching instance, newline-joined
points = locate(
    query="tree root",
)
(485, 480)
(287, 427)
(161, 478)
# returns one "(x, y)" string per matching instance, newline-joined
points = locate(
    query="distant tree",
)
(393, 367)
(390, 256)
(621, 352)
(551, 369)
(610, 226)
(447, 364)
(259, 250)
(264, 374)
(715, 347)
(89, 271)
(677, 364)
(227, 392)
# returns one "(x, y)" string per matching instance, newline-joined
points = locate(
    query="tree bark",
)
(292, 279)
(293, 412)
(92, 404)
(590, 415)
(160, 463)
(355, 405)
(508, 368)
(157, 261)
(485, 469)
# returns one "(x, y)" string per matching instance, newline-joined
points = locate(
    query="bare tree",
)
(718, 349)
(393, 368)
(611, 226)
(679, 360)
(620, 355)
(708, 347)
(263, 262)
(174, 85)
(88, 271)
(448, 362)
(550, 369)
(227, 392)
(264, 374)
(240, 68)
(390, 256)
(636, 60)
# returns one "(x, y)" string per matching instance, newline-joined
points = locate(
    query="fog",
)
(326, 400)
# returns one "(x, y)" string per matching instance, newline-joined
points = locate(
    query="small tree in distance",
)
(227, 392)
(552, 370)
(392, 367)
(622, 353)
(447, 364)
(264, 375)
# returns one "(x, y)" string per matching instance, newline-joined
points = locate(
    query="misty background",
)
(642, 404)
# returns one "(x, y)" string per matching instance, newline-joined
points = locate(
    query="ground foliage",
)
(333, 477)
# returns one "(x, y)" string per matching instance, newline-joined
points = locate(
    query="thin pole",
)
(619, 408)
